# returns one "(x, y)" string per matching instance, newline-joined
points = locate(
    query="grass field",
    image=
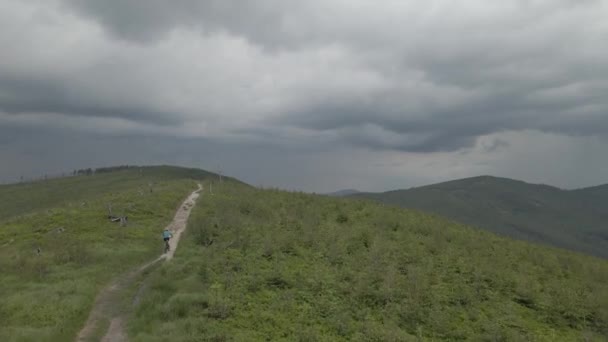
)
(17, 199)
(46, 296)
(265, 265)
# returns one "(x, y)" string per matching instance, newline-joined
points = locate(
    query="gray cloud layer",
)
(385, 76)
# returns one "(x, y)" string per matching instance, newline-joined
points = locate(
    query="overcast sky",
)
(316, 95)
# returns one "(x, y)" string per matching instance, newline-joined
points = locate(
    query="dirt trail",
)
(108, 300)
(178, 225)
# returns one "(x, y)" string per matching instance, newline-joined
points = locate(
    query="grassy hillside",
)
(259, 265)
(46, 295)
(17, 199)
(596, 199)
(576, 220)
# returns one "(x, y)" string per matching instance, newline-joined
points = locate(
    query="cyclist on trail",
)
(167, 235)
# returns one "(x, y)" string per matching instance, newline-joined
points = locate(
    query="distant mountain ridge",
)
(343, 193)
(571, 219)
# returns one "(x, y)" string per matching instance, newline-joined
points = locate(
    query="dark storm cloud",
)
(434, 77)
(384, 77)
(451, 127)
(291, 23)
(151, 20)
(47, 96)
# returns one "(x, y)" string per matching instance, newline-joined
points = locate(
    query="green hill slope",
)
(58, 249)
(596, 199)
(260, 265)
(17, 199)
(576, 220)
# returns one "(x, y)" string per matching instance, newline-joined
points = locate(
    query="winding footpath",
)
(108, 300)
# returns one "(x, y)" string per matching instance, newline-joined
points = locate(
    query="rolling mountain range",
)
(571, 219)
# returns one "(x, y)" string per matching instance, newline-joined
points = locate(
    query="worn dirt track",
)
(108, 299)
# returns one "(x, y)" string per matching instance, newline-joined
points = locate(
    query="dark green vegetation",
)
(576, 220)
(260, 265)
(58, 249)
